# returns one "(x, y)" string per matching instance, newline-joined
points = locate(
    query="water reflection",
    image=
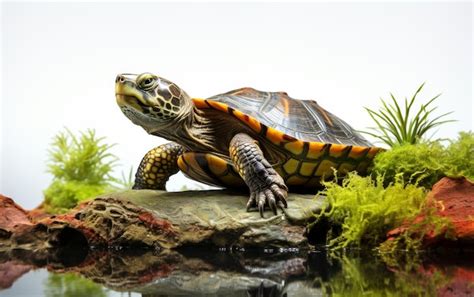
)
(71, 285)
(207, 272)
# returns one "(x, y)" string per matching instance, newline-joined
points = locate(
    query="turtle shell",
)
(305, 120)
(315, 140)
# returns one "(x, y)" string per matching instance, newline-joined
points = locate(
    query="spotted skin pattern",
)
(157, 166)
(161, 98)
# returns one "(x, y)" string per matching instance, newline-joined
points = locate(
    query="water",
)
(209, 272)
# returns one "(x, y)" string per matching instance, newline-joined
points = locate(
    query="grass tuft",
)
(398, 125)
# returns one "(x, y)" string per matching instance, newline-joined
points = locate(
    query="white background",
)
(59, 62)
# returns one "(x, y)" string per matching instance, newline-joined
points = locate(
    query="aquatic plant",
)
(366, 210)
(428, 162)
(81, 168)
(397, 126)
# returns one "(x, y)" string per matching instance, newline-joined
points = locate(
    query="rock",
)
(455, 201)
(11, 271)
(169, 220)
(11, 216)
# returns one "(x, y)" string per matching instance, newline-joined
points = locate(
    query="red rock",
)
(10, 271)
(38, 213)
(454, 199)
(12, 215)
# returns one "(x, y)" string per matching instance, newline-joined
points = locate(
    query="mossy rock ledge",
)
(169, 220)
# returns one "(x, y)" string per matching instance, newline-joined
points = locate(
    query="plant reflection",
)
(71, 285)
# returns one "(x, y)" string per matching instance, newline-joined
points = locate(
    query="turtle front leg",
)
(157, 166)
(265, 184)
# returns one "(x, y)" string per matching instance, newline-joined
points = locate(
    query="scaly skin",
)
(157, 166)
(265, 184)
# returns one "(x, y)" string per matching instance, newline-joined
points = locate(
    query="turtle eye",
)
(147, 82)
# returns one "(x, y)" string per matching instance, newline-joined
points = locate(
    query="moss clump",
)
(81, 168)
(428, 162)
(422, 161)
(460, 156)
(365, 210)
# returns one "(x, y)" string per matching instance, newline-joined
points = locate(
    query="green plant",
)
(395, 126)
(85, 158)
(366, 210)
(428, 162)
(460, 156)
(81, 168)
(423, 161)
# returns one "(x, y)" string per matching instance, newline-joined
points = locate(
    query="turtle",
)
(266, 142)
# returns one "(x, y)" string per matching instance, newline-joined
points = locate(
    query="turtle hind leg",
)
(157, 166)
(266, 185)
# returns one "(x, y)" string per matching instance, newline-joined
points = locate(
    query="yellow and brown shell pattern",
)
(313, 140)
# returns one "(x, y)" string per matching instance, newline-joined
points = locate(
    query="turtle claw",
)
(273, 196)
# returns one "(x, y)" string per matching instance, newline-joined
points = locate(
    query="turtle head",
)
(151, 101)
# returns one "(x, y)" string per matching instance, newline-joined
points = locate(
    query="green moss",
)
(422, 162)
(81, 168)
(460, 156)
(63, 195)
(365, 210)
(428, 162)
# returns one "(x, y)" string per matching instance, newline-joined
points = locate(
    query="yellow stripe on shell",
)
(218, 105)
(358, 152)
(337, 150)
(307, 168)
(316, 150)
(295, 147)
(325, 168)
(275, 136)
(250, 121)
(291, 166)
(200, 103)
(373, 151)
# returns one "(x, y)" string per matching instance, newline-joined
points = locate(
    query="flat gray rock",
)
(169, 220)
(174, 219)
